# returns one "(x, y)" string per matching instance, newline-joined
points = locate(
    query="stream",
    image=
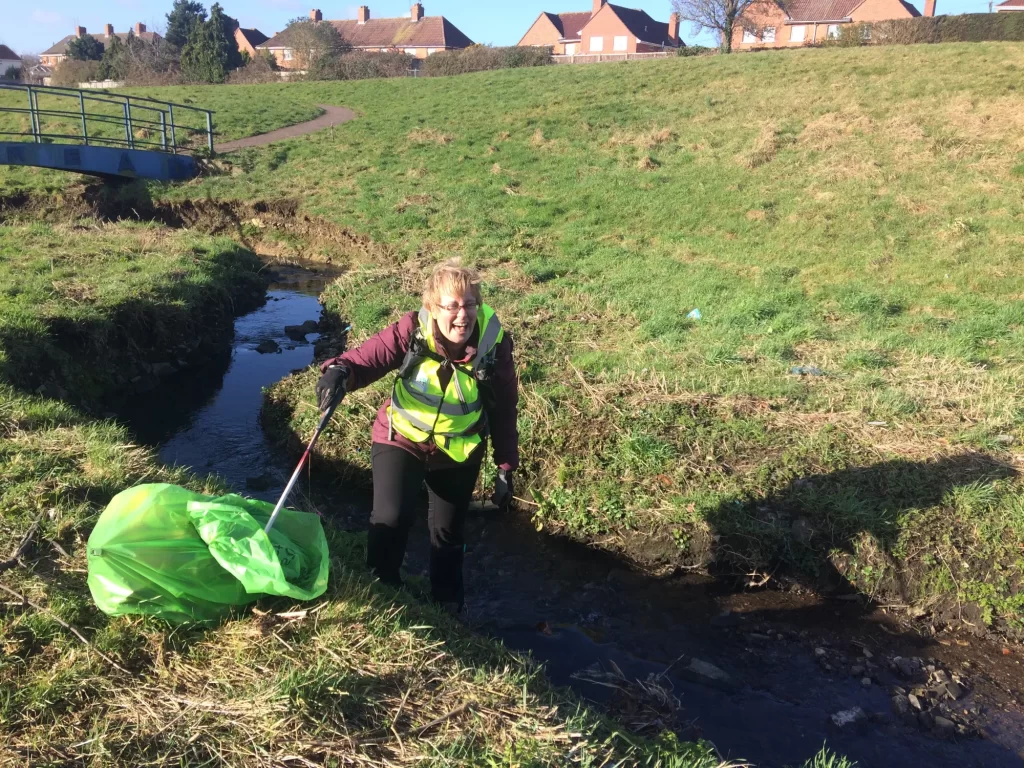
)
(768, 676)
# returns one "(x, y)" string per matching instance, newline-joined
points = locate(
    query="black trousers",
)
(397, 479)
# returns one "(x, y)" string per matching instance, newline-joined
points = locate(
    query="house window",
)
(287, 55)
(620, 43)
(411, 51)
(768, 35)
(865, 31)
(570, 49)
(596, 44)
(796, 34)
(749, 36)
(832, 32)
(431, 50)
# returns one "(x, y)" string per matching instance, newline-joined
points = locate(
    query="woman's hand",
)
(503, 490)
(331, 387)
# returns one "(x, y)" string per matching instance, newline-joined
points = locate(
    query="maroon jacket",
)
(383, 353)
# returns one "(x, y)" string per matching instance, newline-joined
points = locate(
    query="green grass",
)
(117, 295)
(845, 209)
(357, 677)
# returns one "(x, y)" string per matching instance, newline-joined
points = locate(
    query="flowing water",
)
(785, 658)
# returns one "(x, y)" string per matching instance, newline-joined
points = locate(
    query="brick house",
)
(54, 55)
(606, 28)
(248, 40)
(8, 59)
(415, 34)
(1009, 6)
(804, 22)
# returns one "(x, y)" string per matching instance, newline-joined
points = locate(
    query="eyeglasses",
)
(453, 309)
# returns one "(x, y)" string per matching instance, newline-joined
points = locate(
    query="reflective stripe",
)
(411, 416)
(416, 390)
(448, 409)
(487, 341)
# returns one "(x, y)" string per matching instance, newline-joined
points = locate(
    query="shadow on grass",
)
(853, 519)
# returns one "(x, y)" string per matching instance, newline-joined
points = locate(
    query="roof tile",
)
(570, 24)
(61, 46)
(253, 36)
(428, 32)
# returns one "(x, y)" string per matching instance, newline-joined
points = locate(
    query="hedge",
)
(966, 28)
(477, 58)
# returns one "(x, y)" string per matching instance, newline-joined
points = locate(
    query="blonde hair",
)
(452, 279)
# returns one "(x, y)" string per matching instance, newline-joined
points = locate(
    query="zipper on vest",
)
(458, 391)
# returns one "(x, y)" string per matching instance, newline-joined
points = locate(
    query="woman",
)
(455, 385)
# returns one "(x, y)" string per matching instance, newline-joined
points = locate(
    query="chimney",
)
(108, 30)
(598, 5)
(139, 28)
(929, 7)
(417, 12)
(364, 14)
(673, 26)
(80, 32)
(315, 15)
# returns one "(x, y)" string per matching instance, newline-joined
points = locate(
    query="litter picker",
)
(324, 419)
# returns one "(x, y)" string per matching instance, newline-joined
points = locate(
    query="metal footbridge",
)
(102, 133)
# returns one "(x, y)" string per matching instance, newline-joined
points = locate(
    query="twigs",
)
(444, 718)
(66, 626)
(23, 545)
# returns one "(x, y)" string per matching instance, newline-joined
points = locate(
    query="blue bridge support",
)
(108, 162)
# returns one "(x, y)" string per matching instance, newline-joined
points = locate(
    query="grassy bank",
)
(362, 676)
(851, 214)
(91, 310)
(844, 212)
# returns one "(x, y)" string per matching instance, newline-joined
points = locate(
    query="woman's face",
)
(456, 316)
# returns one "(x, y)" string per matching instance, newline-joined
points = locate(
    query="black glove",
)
(503, 490)
(331, 387)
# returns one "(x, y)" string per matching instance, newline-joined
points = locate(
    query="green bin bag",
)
(166, 551)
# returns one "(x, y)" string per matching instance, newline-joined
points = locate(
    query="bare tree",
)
(721, 16)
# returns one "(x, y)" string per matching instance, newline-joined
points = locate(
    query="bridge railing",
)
(103, 118)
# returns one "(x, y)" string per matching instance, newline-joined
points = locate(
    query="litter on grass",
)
(162, 550)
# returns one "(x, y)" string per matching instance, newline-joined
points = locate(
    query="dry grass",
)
(540, 141)
(1000, 118)
(646, 163)
(429, 136)
(647, 140)
(412, 201)
(765, 147)
(832, 129)
(356, 680)
(366, 676)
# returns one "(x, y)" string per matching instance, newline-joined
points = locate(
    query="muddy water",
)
(787, 659)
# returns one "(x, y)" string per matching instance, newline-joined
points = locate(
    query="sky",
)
(31, 27)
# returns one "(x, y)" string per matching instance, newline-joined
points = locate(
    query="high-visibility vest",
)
(421, 410)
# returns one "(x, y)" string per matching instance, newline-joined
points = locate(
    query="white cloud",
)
(47, 17)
